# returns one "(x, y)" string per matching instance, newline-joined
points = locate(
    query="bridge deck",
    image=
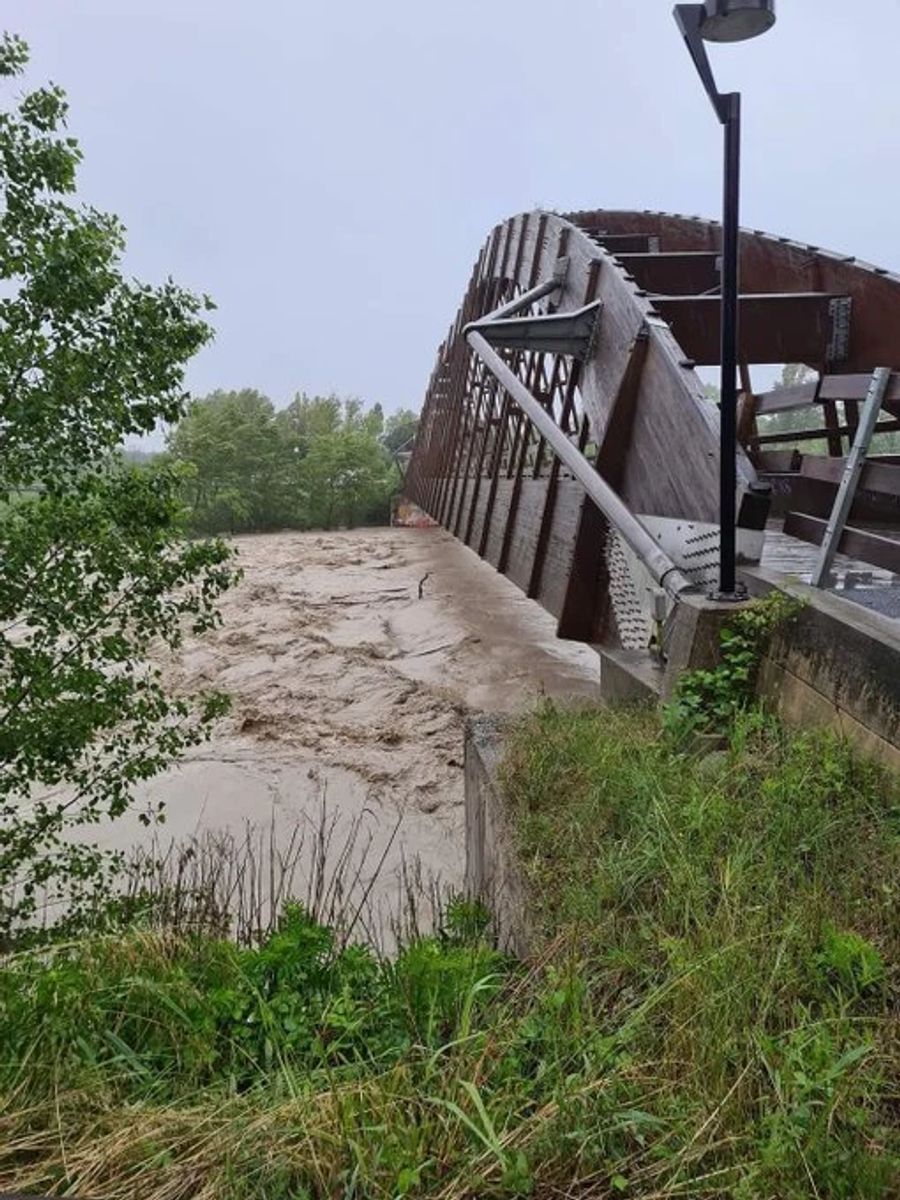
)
(872, 587)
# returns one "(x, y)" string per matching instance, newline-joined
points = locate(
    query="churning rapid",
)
(352, 660)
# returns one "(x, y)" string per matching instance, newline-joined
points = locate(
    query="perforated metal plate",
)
(630, 595)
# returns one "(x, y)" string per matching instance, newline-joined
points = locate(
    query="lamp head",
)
(736, 20)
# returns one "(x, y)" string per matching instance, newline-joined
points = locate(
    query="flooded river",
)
(350, 691)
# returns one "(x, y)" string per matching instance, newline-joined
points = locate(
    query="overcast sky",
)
(327, 171)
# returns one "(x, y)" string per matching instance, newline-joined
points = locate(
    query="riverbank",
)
(709, 1009)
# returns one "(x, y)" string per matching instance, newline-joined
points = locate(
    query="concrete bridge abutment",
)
(836, 666)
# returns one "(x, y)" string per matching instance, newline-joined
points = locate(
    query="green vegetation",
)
(92, 569)
(708, 701)
(710, 1007)
(707, 1011)
(319, 463)
(731, 919)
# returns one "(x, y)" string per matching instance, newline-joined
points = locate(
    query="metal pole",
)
(731, 112)
(536, 293)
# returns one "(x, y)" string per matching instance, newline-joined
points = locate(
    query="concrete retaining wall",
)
(493, 874)
(837, 665)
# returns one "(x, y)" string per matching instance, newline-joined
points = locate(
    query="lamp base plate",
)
(738, 596)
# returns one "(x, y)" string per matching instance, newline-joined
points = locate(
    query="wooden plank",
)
(524, 430)
(486, 386)
(787, 399)
(673, 463)
(832, 387)
(509, 415)
(561, 546)
(746, 428)
(613, 450)
(772, 264)
(778, 328)
(587, 600)
(543, 538)
(833, 429)
(540, 552)
(866, 547)
(806, 435)
(779, 461)
(536, 581)
(876, 476)
(494, 474)
(478, 507)
(463, 436)
(459, 370)
(673, 274)
(624, 243)
(476, 401)
(854, 387)
(530, 496)
(460, 366)
(489, 423)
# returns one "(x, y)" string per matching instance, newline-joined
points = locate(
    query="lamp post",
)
(726, 21)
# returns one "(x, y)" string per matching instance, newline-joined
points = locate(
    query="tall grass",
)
(736, 917)
(709, 1010)
(235, 884)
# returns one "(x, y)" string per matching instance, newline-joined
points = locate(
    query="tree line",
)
(321, 462)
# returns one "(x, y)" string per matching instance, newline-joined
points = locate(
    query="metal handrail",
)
(662, 569)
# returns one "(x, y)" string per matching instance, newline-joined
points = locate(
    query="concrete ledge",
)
(628, 676)
(493, 874)
(799, 703)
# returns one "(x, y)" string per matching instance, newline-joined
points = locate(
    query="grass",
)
(709, 1009)
(738, 920)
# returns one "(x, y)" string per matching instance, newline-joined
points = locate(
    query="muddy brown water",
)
(350, 692)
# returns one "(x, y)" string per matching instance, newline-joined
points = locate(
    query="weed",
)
(709, 700)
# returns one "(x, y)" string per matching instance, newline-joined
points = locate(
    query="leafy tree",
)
(347, 479)
(319, 462)
(795, 375)
(92, 570)
(239, 462)
(307, 417)
(400, 430)
(712, 392)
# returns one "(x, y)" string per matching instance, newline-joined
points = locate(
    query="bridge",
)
(568, 438)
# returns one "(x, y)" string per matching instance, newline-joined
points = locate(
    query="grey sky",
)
(328, 171)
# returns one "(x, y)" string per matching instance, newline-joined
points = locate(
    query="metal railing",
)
(643, 545)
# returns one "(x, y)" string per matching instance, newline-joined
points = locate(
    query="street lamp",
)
(726, 21)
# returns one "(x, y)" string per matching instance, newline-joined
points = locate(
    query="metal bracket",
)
(689, 18)
(561, 270)
(560, 333)
(840, 310)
